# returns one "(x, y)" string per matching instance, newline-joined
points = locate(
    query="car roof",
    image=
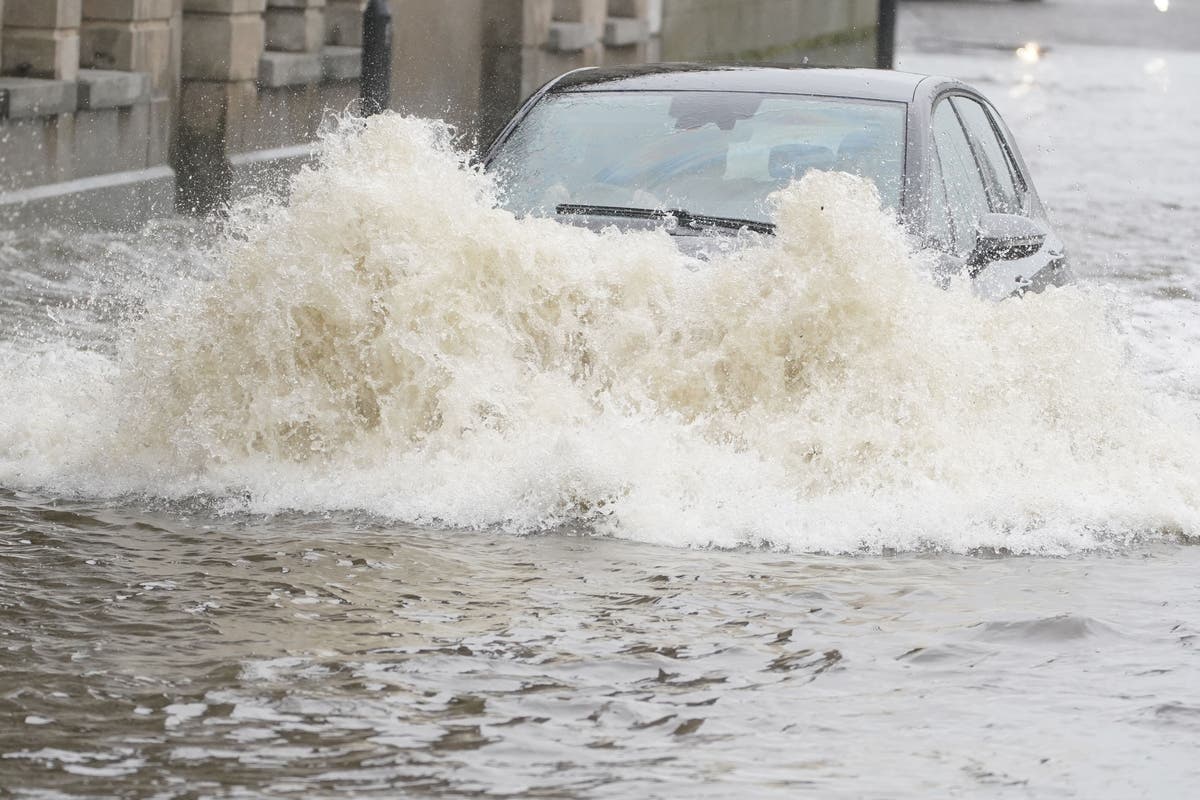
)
(868, 84)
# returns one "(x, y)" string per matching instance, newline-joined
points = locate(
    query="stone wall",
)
(89, 86)
(474, 66)
(112, 111)
(257, 78)
(768, 30)
(115, 110)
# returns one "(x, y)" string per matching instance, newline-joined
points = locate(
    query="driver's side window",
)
(1007, 194)
(966, 193)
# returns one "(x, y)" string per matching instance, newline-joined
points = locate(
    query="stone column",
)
(654, 21)
(295, 26)
(343, 22)
(222, 48)
(438, 60)
(222, 39)
(132, 36)
(514, 34)
(627, 32)
(135, 36)
(575, 31)
(41, 39)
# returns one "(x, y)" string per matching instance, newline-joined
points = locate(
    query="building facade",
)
(113, 111)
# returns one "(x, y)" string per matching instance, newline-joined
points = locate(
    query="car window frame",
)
(983, 162)
(996, 192)
(955, 222)
(937, 196)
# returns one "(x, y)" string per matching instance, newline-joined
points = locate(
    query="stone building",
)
(112, 111)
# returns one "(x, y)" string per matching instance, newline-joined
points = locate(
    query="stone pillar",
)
(628, 8)
(295, 26)
(222, 47)
(514, 34)
(222, 39)
(576, 29)
(343, 22)
(41, 39)
(654, 21)
(627, 32)
(136, 36)
(438, 60)
(132, 36)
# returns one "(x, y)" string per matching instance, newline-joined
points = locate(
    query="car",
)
(698, 149)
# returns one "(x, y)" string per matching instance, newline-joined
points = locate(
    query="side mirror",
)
(1004, 237)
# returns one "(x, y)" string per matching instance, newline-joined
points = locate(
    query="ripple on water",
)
(1175, 715)
(1059, 628)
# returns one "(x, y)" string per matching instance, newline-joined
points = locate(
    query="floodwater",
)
(603, 523)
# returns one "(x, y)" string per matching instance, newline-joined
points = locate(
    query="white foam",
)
(392, 341)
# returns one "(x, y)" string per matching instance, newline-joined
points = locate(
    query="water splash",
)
(393, 341)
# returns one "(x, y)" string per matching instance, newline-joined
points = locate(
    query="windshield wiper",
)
(684, 219)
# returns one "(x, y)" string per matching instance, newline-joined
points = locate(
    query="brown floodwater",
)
(612, 606)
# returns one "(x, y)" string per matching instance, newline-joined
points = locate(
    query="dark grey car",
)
(698, 148)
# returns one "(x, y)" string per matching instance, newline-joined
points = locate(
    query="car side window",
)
(1004, 193)
(965, 191)
(939, 229)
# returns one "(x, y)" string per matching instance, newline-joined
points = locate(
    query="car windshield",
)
(714, 153)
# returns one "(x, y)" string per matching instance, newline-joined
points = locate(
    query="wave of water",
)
(391, 340)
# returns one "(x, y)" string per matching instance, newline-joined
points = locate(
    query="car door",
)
(981, 177)
(1009, 192)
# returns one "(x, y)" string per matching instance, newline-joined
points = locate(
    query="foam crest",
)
(393, 341)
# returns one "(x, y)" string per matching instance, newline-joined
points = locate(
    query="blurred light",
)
(1158, 71)
(1162, 5)
(1023, 87)
(1030, 53)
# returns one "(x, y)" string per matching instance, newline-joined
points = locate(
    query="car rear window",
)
(715, 153)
